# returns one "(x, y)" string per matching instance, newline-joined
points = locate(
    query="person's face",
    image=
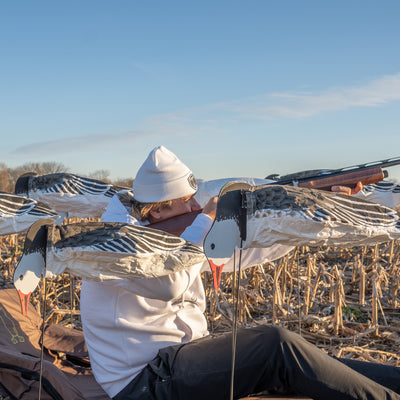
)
(179, 206)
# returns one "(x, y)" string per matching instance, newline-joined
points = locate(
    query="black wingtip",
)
(22, 184)
(36, 236)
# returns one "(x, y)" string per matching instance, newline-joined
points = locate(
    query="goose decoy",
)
(27, 274)
(99, 251)
(68, 193)
(18, 213)
(262, 216)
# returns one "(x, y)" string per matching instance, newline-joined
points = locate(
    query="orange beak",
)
(24, 298)
(216, 273)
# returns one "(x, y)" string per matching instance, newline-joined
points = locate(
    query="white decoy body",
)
(384, 192)
(18, 213)
(100, 251)
(263, 216)
(75, 195)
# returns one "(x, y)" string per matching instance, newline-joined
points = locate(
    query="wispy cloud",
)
(303, 105)
(81, 144)
(294, 104)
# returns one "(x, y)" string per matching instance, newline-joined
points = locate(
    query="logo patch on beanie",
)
(192, 182)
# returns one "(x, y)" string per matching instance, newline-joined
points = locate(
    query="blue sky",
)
(234, 88)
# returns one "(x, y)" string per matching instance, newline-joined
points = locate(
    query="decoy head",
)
(32, 264)
(227, 229)
(22, 184)
(219, 246)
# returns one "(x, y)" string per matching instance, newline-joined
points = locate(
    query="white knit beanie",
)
(163, 177)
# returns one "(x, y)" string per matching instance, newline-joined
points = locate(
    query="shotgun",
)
(349, 176)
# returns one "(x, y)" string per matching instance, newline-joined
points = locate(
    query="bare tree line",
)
(8, 176)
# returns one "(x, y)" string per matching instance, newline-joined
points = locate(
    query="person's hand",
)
(347, 190)
(210, 208)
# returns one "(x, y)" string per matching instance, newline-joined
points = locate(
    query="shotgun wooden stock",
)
(176, 225)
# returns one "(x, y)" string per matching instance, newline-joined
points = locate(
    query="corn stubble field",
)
(346, 301)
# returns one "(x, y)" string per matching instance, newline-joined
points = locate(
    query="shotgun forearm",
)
(349, 179)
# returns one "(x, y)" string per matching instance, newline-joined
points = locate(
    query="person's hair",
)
(141, 211)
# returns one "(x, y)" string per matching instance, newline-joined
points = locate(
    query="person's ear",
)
(155, 214)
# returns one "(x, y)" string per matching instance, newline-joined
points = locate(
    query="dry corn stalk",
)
(361, 274)
(339, 302)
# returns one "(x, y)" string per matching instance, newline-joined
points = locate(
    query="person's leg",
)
(267, 358)
(385, 375)
(141, 387)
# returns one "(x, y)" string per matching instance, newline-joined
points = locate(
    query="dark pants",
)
(267, 358)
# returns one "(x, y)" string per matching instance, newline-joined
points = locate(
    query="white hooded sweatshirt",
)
(126, 322)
